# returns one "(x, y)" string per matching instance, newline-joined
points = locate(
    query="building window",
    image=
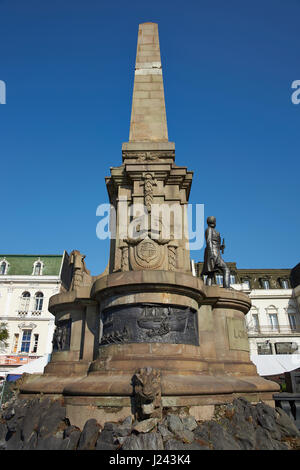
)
(35, 344)
(219, 279)
(232, 279)
(264, 348)
(3, 267)
(265, 284)
(284, 283)
(25, 301)
(274, 321)
(255, 321)
(25, 346)
(37, 269)
(246, 283)
(15, 343)
(292, 321)
(286, 348)
(39, 299)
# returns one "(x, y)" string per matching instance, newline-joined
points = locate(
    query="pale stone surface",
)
(148, 93)
(146, 425)
(202, 413)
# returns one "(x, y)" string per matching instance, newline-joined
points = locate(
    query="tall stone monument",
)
(147, 310)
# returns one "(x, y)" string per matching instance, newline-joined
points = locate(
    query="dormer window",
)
(38, 268)
(265, 284)
(284, 283)
(3, 267)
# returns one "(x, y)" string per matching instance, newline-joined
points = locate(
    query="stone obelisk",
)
(147, 309)
(148, 115)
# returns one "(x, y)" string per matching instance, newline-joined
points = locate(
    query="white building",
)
(26, 284)
(273, 322)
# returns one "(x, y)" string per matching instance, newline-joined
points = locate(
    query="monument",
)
(147, 321)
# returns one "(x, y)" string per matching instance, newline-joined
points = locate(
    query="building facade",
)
(273, 322)
(26, 284)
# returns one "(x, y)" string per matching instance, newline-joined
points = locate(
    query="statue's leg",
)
(226, 276)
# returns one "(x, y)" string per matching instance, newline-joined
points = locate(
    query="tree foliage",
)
(3, 334)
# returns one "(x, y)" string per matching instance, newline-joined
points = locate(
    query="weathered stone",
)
(105, 446)
(120, 440)
(89, 435)
(185, 436)
(221, 440)
(266, 417)
(146, 425)
(110, 426)
(15, 442)
(31, 443)
(286, 425)
(202, 431)
(49, 443)
(189, 423)
(127, 421)
(32, 418)
(3, 431)
(53, 418)
(150, 441)
(174, 423)
(174, 444)
(106, 436)
(246, 440)
(122, 430)
(106, 441)
(263, 439)
(71, 438)
(164, 431)
(8, 413)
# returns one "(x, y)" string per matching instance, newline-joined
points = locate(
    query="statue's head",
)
(211, 221)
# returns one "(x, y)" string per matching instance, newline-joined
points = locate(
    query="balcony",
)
(32, 313)
(264, 330)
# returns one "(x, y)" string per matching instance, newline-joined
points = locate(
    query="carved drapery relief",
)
(172, 257)
(149, 183)
(124, 258)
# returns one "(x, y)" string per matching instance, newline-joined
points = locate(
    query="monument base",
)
(212, 369)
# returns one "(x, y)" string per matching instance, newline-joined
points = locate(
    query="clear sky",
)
(228, 67)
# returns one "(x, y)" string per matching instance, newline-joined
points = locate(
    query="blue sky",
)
(228, 69)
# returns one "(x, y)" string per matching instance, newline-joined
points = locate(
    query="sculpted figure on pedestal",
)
(79, 269)
(213, 262)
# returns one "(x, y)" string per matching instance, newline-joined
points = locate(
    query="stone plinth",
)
(213, 369)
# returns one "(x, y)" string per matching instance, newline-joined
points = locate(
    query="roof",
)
(23, 264)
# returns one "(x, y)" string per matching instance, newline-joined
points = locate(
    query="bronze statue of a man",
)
(213, 261)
